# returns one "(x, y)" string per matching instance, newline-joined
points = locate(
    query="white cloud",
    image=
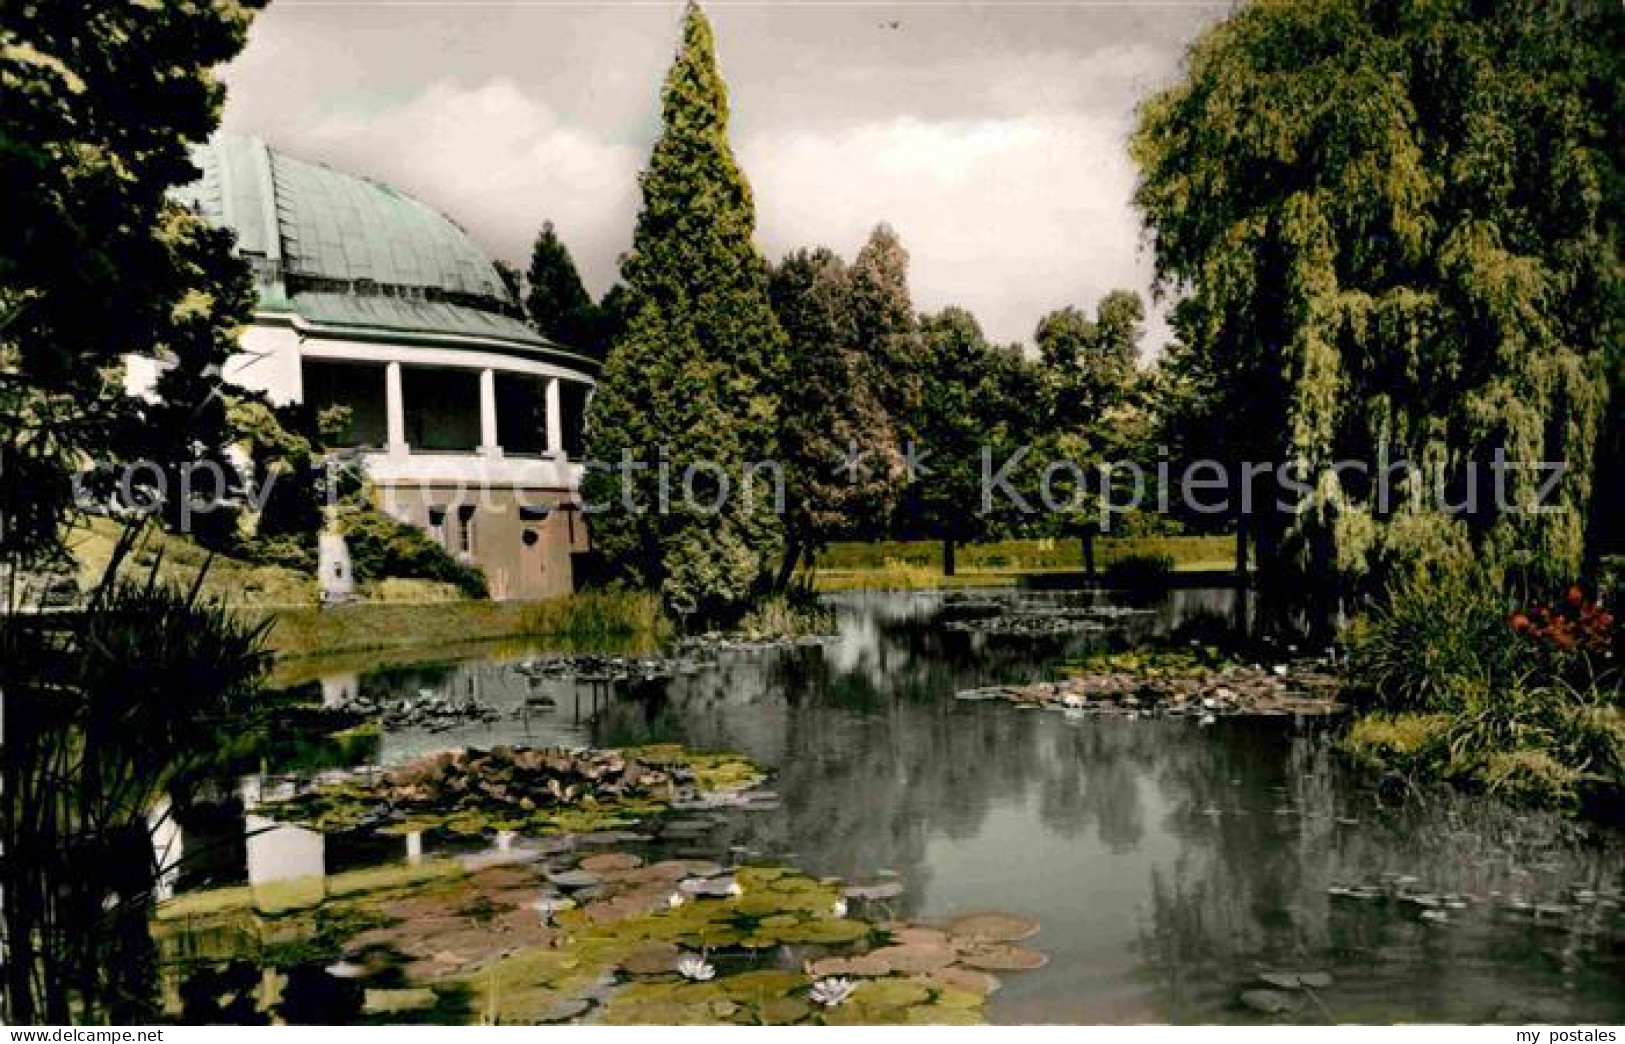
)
(1008, 217)
(499, 163)
(992, 139)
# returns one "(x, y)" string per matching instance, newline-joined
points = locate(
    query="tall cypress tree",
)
(555, 299)
(693, 380)
(888, 331)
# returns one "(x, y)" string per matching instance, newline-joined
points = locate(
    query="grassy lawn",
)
(596, 619)
(899, 564)
(395, 615)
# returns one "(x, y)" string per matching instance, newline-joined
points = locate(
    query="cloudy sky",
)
(991, 136)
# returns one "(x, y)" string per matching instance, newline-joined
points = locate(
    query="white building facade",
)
(468, 421)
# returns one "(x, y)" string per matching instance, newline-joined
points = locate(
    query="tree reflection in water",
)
(106, 711)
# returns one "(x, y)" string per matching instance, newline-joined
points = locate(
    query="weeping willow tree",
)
(1395, 227)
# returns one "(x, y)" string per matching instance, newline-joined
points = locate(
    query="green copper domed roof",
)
(348, 252)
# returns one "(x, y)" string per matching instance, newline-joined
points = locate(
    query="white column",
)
(555, 419)
(488, 414)
(395, 408)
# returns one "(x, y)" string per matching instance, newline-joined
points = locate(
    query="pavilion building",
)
(469, 423)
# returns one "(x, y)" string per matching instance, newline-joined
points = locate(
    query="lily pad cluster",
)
(1030, 620)
(575, 932)
(534, 791)
(1202, 692)
(961, 954)
(716, 949)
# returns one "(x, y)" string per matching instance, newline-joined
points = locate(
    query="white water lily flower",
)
(1280, 670)
(674, 900)
(1073, 700)
(735, 889)
(839, 909)
(696, 969)
(548, 905)
(831, 992)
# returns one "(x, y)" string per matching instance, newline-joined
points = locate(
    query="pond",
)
(1168, 862)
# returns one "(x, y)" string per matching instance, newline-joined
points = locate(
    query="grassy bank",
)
(588, 618)
(913, 564)
(237, 583)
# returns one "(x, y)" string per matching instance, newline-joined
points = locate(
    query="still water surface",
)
(1168, 863)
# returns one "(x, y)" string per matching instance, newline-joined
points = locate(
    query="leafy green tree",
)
(95, 262)
(555, 298)
(1090, 406)
(613, 315)
(888, 337)
(965, 403)
(1398, 227)
(1089, 363)
(838, 445)
(693, 382)
(513, 279)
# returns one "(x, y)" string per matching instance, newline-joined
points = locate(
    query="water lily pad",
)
(1002, 957)
(942, 1015)
(715, 887)
(860, 966)
(965, 980)
(915, 958)
(609, 861)
(890, 993)
(610, 837)
(992, 927)
(568, 1009)
(393, 1002)
(904, 935)
(574, 879)
(826, 931)
(657, 958)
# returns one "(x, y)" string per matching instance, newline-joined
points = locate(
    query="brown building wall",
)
(521, 538)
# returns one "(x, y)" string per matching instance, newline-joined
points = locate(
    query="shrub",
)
(289, 550)
(788, 615)
(382, 547)
(591, 616)
(1402, 742)
(1145, 570)
(1432, 641)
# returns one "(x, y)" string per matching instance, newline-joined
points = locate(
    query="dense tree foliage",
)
(1091, 412)
(1090, 363)
(1397, 224)
(972, 398)
(838, 444)
(555, 298)
(693, 380)
(887, 328)
(95, 262)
